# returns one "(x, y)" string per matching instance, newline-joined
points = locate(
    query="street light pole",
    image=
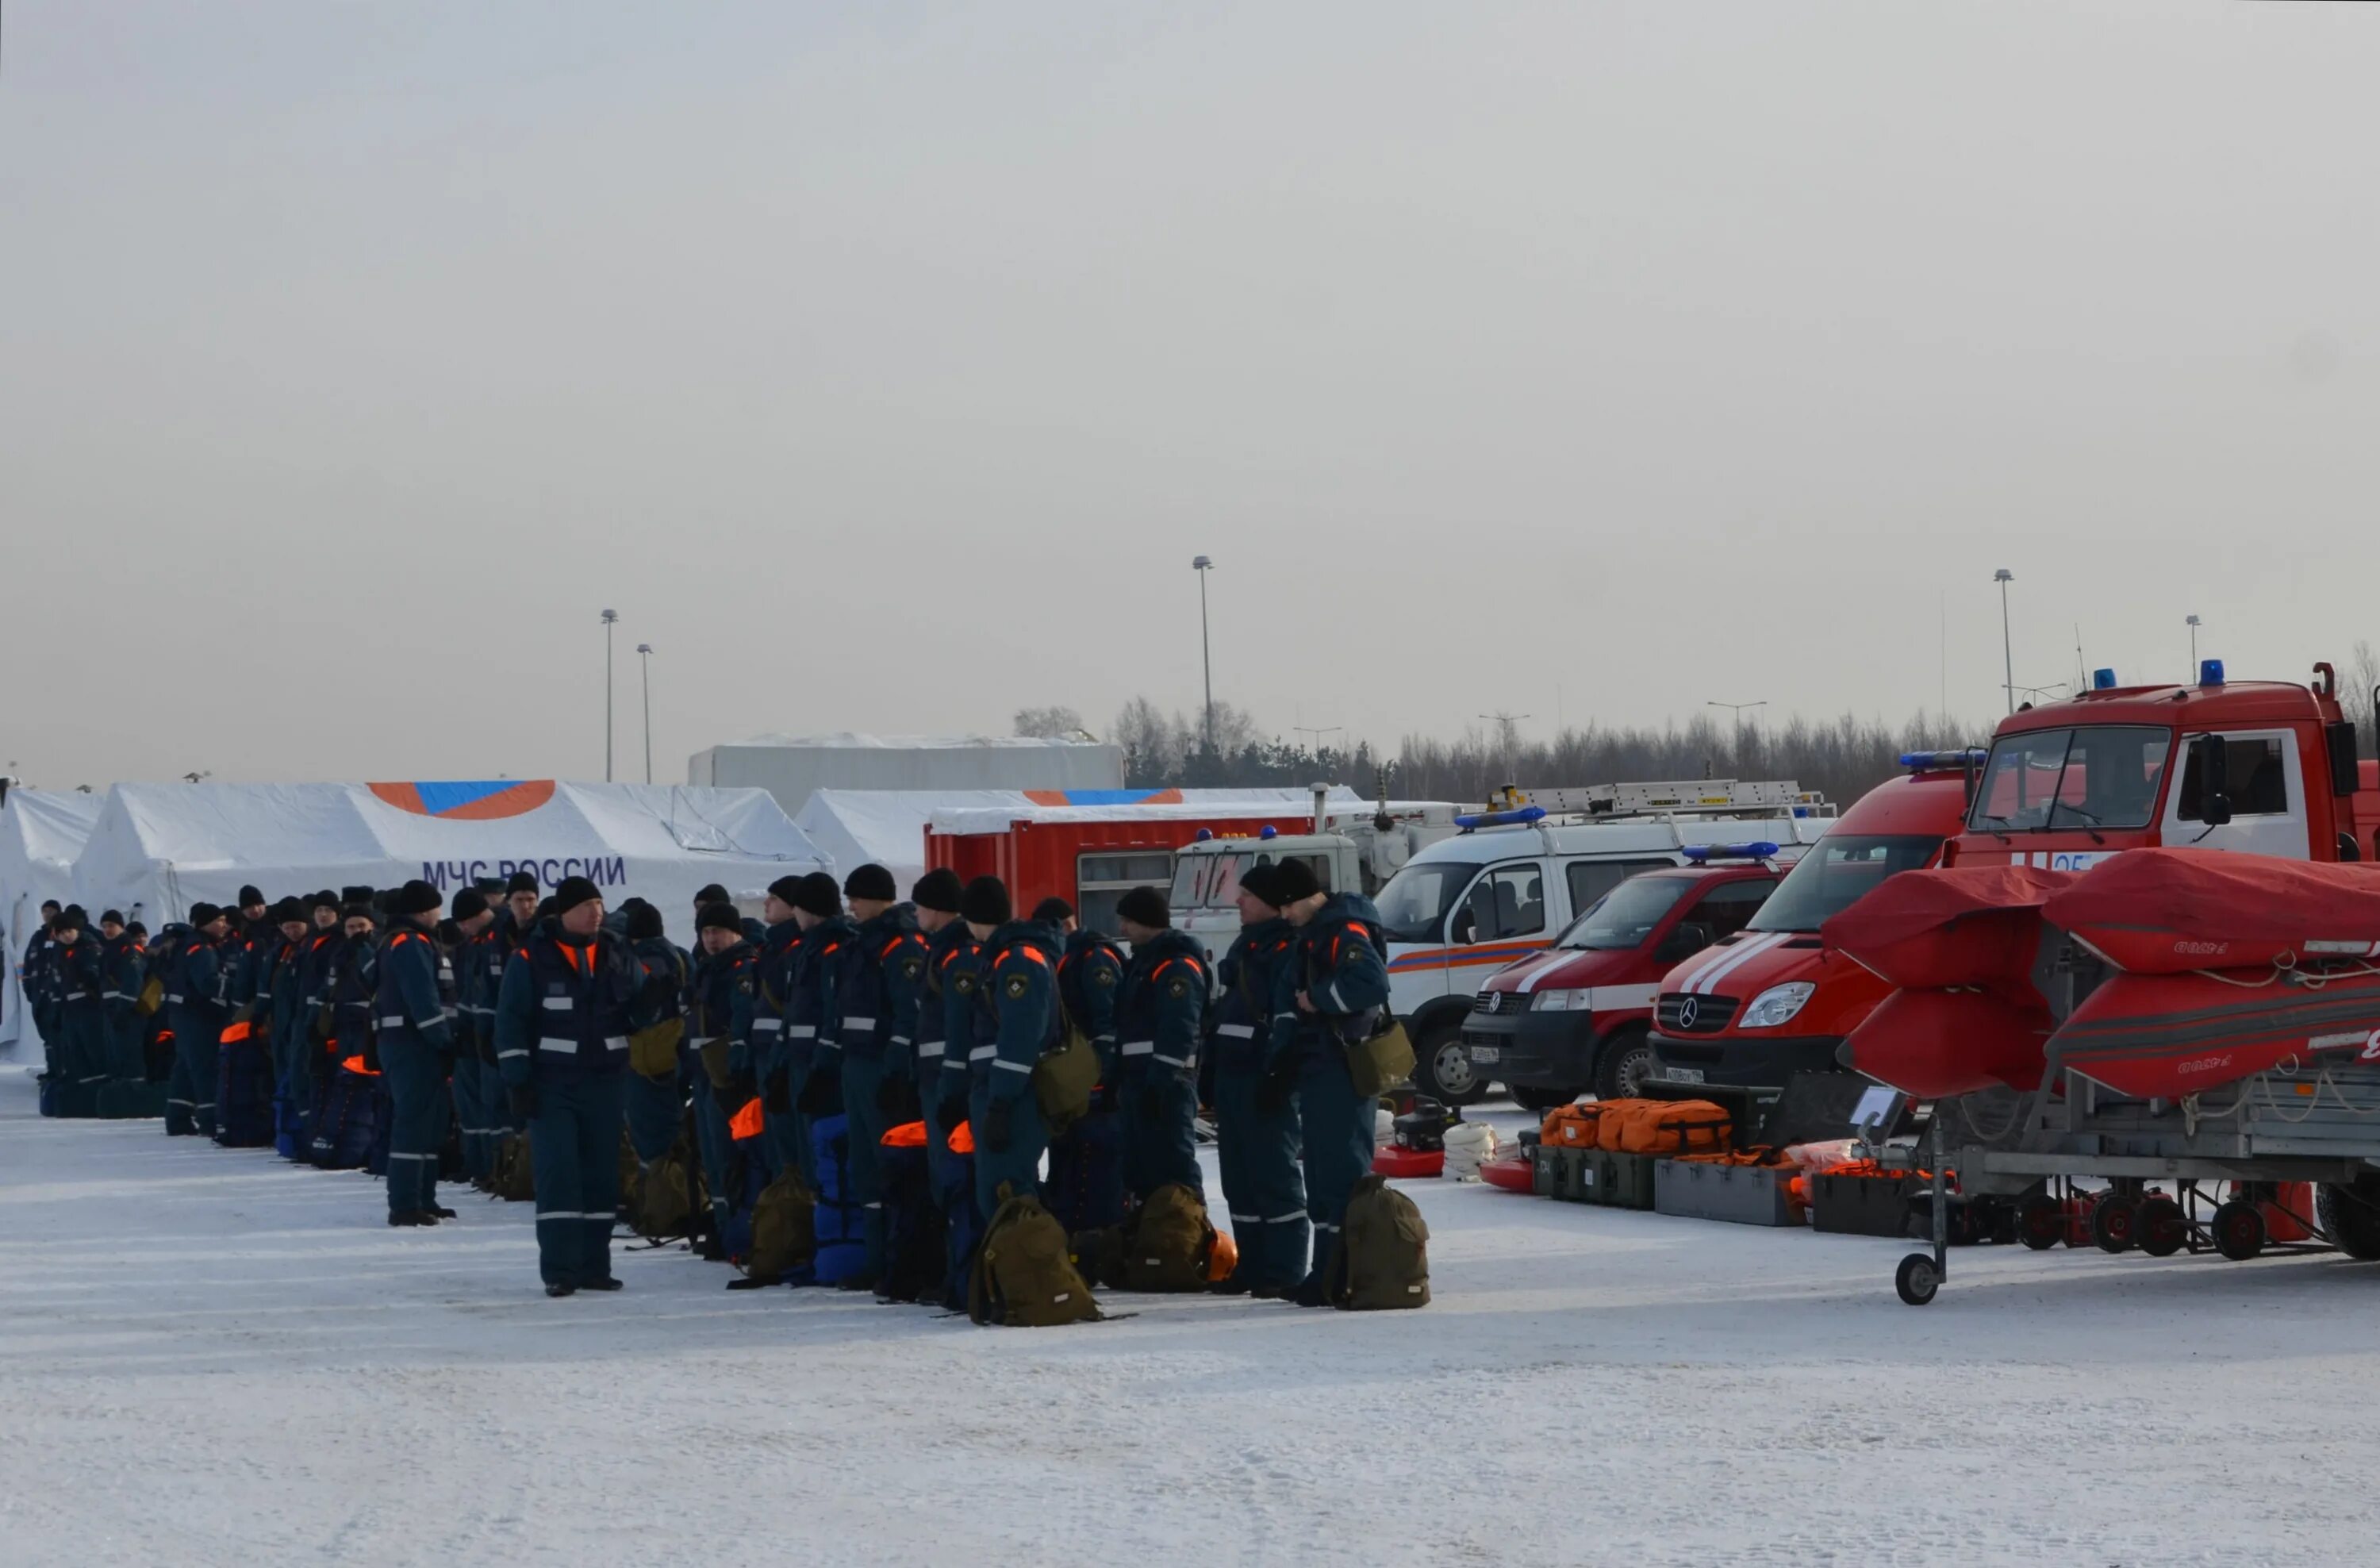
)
(2008, 649)
(610, 619)
(2194, 624)
(1737, 709)
(645, 658)
(1202, 565)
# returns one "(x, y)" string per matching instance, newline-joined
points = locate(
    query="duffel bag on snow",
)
(1670, 1127)
(243, 1090)
(349, 1127)
(1024, 1275)
(671, 1204)
(840, 1223)
(1382, 1258)
(1065, 1078)
(1168, 1242)
(785, 1234)
(1383, 1062)
(1571, 1126)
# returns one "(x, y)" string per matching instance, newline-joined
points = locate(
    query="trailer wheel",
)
(2115, 1223)
(2161, 1226)
(2350, 1219)
(1916, 1280)
(2239, 1231)
(2041, 1222)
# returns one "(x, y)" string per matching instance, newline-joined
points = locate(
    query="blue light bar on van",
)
(2210, 672)
(1962, 756)
(2102, 680)
(1502, 819)
(1204, 835)
(1760, 849)
(1268, 830)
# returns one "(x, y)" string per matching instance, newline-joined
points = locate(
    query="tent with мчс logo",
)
(160, 849)
(41, 834)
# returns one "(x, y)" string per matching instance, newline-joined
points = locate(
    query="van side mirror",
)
(2212, 759)
(2346, 770)
(1689, 938)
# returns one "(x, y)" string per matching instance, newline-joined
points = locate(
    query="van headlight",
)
(1562, 1001)
(1776, 1005)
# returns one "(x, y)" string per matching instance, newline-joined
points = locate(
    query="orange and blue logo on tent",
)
(480, 801)
(1104, 797)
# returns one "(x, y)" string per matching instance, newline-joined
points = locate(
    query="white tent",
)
(41, 834)
(851, 827)
(160, 848)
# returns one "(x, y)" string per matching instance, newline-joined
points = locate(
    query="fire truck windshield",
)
(1834, 875)
(1208, 881)
(2047, 780)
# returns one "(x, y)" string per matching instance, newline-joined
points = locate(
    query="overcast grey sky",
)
(885, 364)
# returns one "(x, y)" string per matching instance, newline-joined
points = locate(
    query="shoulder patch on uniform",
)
(964, 983)
(1103, 976)
(1180, 987)
(912, 967)
(1018, 985)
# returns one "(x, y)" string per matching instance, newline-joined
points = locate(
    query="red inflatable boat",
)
(2170, 911)
(2165, 1036)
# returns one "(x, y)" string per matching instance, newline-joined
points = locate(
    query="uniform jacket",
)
(1161, 1008)
(405, 990)
(1018, 1011)
(566, 1006)
(1339, 961)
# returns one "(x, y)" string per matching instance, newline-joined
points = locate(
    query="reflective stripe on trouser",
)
(574, 1152)
(471, 1111)
(198, 1051)
(861, 1075)
(1020, 1165)
(655, 1112)
(1338, 1135)
(1264, 1188)
(417, 1121)
(1164, 1147)
(714, 1142)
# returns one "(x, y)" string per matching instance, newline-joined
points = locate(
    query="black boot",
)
(411, 1217)
(561, 1290)
(441, 1213)
(1310, 1294)
(606, 1282)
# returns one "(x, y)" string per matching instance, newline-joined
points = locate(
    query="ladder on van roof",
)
(1769, 797)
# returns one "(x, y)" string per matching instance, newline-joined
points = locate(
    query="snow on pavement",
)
(212, 1356)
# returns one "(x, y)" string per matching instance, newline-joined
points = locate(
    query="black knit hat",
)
(574, 891)
(874, 881)
(468, 903)
(489, 888)
(356, 894)
(111, 916)
(1144, 906)
(787, 889)
(819, 895)
(325, 899)
(416, 897)
(136, 930)
(714, 894)
(985, 902)
(719, 915)
(249, 897)
(288, 911)
(358, 912)
(204, 914)
(644, 922)
(70, 919)
(939, 890)
(1263, 883)
(1053, 911)
(1293, 879)
(521, 881)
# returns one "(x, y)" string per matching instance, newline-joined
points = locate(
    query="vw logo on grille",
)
(1495, 1000)
(1688, 1010)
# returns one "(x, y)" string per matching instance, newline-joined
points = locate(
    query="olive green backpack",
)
(1024, 1275)
(784, 1229)
(1065, 1079)
(670, 1197)
(513, 1179)
(1167, 1243)
(1382, 1258)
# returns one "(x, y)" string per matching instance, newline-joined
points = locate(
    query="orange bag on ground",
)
(1618, 1115)
(1676, 1126)
(1570, 1126)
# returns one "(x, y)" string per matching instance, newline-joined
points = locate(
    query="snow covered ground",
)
(211, 1356)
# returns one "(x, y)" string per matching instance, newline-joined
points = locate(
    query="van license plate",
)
(1486, 1053)
(1675, 1074)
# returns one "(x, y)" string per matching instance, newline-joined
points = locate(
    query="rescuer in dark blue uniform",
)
(1328, 997)
(1160, 1022)
(123, 970)
(714, 992)
(563, 1020)
(415, 1043)
(194, 993)
(869, 1043)
(812, 1012)
(81, 1055)
(1019, 1018)
(475, 1114)
(1256, 1133)
(656, 1105)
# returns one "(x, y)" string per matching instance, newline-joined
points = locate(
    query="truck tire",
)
(2350, 1218)
(1442, 1067)
(1623, 1064)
